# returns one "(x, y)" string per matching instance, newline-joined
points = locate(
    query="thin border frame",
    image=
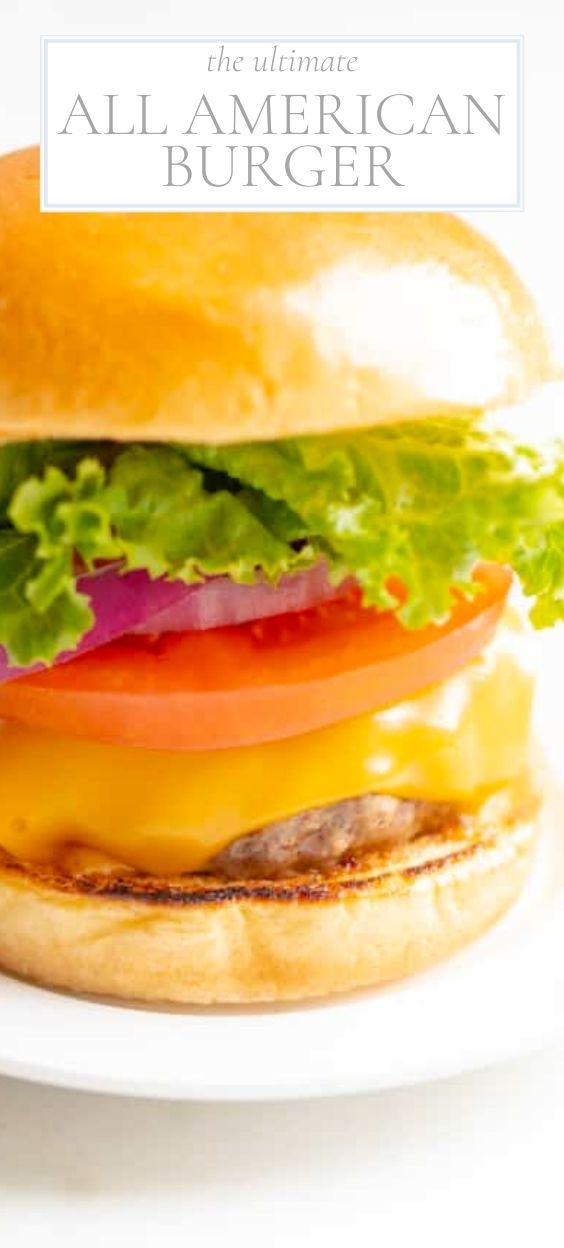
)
(47, 206)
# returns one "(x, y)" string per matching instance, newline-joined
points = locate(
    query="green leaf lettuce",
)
(421, 503)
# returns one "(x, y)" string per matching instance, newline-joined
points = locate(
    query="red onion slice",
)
(219, 602)
(120, 602)
(133, 603)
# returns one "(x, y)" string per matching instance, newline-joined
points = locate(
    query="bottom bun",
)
(202, 940)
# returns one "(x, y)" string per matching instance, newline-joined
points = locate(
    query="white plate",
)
(502, 996)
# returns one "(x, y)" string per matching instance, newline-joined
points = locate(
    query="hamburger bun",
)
(220, 327)
(224, 327)
(202, 940)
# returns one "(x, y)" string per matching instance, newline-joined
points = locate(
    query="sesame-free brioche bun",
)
(217, 327)
(203, 940)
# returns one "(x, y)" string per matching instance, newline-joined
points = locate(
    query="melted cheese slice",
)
(167, 812)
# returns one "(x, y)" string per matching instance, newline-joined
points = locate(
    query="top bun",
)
(217, 327)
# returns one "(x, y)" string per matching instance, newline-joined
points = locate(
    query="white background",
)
(477, 1160)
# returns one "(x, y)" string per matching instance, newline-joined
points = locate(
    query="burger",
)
(265, 710)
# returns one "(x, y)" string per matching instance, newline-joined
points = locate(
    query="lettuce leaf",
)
(415, 503)
(422, 503)
(144, 507)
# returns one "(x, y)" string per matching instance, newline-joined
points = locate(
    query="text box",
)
(333, 124)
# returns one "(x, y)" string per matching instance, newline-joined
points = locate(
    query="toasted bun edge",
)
(196, 940)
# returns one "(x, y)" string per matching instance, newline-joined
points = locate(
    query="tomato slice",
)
(253, 682)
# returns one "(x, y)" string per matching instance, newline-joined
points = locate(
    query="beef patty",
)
(328, 836)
